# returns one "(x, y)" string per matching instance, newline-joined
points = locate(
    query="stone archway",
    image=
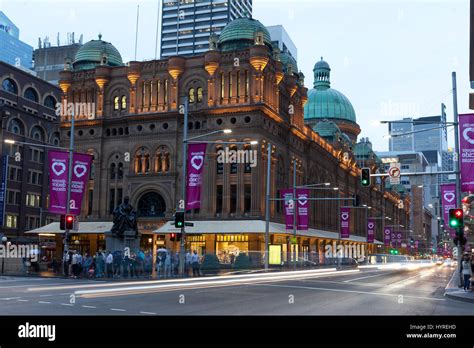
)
(151, 204)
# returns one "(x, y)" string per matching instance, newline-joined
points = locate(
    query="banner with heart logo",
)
(58, 181)
(371, 230)
(387, 236)
(58, 177)
(287, 196)
(196, 155)
(448, 201)
(466, 142)
(302, 212)
(80, 176)
(345, 222)
(303, 209)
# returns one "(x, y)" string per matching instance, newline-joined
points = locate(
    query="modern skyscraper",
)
(186, 25)
(50, 60)
(429, 139)
(281, 39)
(12, 50)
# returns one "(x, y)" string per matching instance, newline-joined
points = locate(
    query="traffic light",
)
(69, 222)
(178, 237)
(394, 252)
(456, 218)
(173, 237)
(365, 177)
(356, 200)
(179, 219)
(66, 222)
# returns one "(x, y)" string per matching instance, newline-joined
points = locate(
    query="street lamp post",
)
(187, 141)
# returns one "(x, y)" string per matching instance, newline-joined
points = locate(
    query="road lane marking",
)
(10, 298)
(150, 313)
(44, 302)
(46, 295)
(117, 310)
(347, 291)
(134, 290)
(23, 300)
(372, 276)
(66, 304)
(315, 272)
(89, 306)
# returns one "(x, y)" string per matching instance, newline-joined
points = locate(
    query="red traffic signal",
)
(69, 222)
(173, 237)
(456, 218)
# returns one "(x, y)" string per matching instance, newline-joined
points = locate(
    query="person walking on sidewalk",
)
(466, 271)
(196, 264)
(109, 264)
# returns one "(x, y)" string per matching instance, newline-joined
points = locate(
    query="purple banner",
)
(80, 175)
(287, 195)
(303, 208)
(58, 181)
(466, 141)
(58, 177)
(345, 218)
(448, 200)
(387, 235)
(371, 230)
(196, 154)
(399, 239)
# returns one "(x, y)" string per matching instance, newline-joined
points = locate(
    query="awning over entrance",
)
(84, 228)
(251, 227)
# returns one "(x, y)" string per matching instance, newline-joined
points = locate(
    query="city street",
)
(349, 292)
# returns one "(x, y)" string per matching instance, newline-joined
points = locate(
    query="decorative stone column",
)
(211, 64)
(133, 75)
(175, 69)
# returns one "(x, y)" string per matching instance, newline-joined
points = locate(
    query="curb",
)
(451, 287)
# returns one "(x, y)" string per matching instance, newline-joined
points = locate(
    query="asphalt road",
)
(358, 292)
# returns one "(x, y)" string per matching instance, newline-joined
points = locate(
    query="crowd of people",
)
(124, 264)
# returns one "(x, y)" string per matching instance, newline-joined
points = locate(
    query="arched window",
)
(37, 133)
(142, 161)
(116, 103)
(112, 171)
(31, 94)
(16, 127)
(124, 102)
(192, 97)
(55, 139)
(162, 160)
(199, 94)
(50, 102)
(151, 204)
(10, 86)
(120, 171)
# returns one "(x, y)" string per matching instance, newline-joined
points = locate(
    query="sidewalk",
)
(454, 292)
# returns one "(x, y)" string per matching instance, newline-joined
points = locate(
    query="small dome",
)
(240, 34)
(327, 129)
(321, 65)
(97, 52)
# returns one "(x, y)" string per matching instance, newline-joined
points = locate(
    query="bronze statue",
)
(125, 219)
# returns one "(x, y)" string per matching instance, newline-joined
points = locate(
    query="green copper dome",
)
(240, 34)
(97, 52)
(325, 102)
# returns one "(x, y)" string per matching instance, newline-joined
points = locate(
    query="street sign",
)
(394, 173)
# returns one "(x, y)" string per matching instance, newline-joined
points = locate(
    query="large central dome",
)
(97, 52)
(240, 34)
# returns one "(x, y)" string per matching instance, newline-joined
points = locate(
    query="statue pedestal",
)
(114, 243)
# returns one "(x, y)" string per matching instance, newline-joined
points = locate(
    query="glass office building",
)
(188, 24)
(12, 50)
